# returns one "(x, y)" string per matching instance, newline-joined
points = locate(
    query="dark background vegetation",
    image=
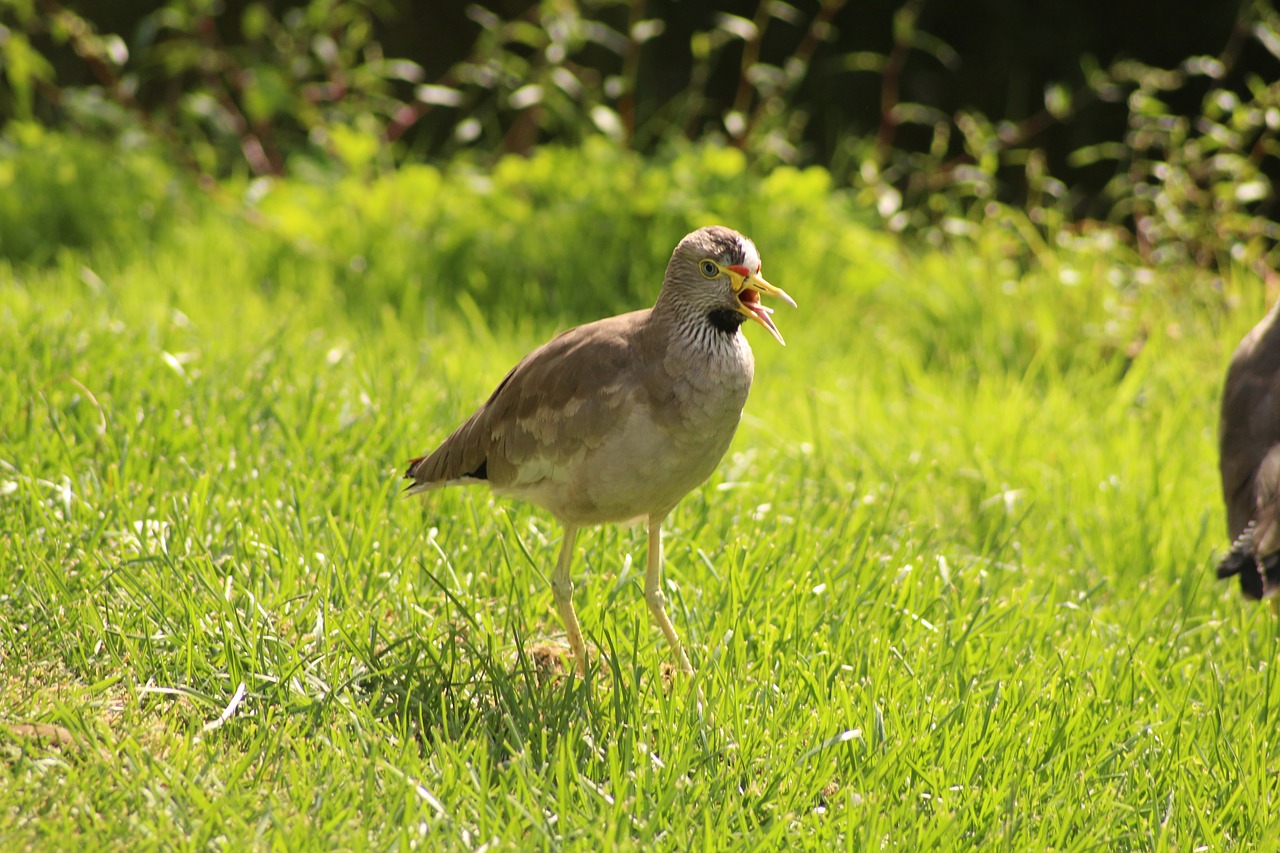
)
(1156, 119)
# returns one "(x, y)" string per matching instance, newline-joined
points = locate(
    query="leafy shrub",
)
(1183, 188)
(566, 235)
(307, 85)
(59, 192)
(573, 232)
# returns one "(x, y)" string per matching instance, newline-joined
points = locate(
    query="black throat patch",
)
(725, 320)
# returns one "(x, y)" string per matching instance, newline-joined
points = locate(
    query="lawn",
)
(951, 588)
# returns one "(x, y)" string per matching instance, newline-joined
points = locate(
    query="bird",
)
(616, 420)
(1249, 459)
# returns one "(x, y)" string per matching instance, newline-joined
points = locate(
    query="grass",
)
(952, 588)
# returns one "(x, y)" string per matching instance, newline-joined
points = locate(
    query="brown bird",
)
(1249, 459)
(617, 420)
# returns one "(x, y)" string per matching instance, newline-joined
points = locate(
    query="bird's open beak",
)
(749, 285)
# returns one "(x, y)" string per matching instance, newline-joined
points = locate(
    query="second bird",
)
(617, 420)
(1249, 459)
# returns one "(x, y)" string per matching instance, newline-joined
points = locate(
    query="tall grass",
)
(951, 588)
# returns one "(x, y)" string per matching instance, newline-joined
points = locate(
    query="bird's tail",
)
(415, 487)
(422, 481)
(1259, 576)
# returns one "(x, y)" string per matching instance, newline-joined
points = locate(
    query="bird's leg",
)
(653, 593)
(562, 589)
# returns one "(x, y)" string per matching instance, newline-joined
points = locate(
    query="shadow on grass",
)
(454, 690)
(519, 699)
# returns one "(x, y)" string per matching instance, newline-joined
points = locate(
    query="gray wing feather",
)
(560, 400)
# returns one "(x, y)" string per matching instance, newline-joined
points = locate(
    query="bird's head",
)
(715, 271)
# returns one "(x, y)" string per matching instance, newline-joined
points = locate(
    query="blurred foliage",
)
(310, 77)
(61, 192)
(1182, 188)
(502, 242)
(305, 87)
(513, 248)
(621, 206)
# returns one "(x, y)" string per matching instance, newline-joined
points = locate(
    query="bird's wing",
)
(557, 403)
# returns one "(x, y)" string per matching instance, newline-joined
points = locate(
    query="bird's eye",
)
(709, 269)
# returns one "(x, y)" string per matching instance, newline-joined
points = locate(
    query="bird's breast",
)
(709, 384)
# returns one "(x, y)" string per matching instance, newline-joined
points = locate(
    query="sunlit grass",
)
(951, 588)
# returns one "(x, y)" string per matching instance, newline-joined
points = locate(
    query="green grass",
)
(952, 587)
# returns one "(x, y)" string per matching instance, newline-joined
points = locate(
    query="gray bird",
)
(617, 420)
(1249, 459)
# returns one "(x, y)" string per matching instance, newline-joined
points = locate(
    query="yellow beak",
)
(749, 286)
